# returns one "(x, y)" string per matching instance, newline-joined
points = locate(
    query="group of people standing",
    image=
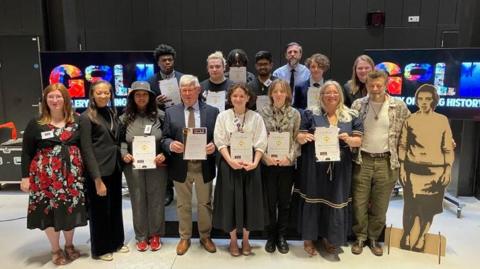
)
(73, 164)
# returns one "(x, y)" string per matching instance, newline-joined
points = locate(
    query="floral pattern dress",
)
(57, 197)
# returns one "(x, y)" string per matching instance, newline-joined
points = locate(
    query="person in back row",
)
(293, 71)
(217, 82)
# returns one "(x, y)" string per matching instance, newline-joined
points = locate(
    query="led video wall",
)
(454, 72)
(77, 70)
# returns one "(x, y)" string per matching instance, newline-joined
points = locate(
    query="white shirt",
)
(253, 123)
(375, 134)
(196, 114)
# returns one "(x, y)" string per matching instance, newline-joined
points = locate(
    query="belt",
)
(377, 155)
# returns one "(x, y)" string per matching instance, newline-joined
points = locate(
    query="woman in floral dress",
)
(52, 173)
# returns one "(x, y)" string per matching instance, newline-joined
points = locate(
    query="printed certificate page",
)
(241, 146)
(195, 143)
(262, 101)
(143, 151)
(327, 147)
(238, 74)
(169, 88)
(278, 145)
(216, 99)
(313, 97)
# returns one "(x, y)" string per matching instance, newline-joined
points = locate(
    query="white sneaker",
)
(123, 249)
(106, 257)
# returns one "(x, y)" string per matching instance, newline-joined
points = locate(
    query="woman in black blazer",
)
(101, 154)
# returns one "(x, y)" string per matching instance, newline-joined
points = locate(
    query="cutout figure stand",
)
(426, 157)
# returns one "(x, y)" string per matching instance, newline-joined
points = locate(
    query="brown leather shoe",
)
(183, 246)
(357, 247)
(208, 245)
(376, 248)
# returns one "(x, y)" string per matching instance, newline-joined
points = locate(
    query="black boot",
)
(282, 245)
(270, 245)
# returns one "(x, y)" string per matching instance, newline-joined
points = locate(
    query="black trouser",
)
(277, 186)
(169, 189)
(105, 213)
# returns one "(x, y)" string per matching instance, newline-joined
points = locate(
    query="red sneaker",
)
(142, 245)
(155, 243)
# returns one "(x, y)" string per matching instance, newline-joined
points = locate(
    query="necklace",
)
(375, 112)
(239, 120)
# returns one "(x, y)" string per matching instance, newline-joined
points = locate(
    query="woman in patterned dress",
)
(52, 173)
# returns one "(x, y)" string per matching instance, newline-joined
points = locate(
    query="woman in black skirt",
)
(238, 203)
(101, 153)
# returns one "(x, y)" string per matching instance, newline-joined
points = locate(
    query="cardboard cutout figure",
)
(426, 156)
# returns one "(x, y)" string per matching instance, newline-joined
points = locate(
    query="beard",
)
(293, 61)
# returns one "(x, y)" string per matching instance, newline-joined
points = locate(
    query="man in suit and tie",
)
(165, 58)
(294, 72)
(192, 113)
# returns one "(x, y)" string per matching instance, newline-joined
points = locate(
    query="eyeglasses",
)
(331, 94)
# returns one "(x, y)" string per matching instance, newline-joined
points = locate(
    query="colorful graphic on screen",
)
(455, 73)
(94, 73)
(418, 72)
(77, 70)
(394, 83)
(470, 79)
(69, 75)
(144, 71)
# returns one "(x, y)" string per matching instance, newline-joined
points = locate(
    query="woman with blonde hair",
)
(52, 173)
(355, 88)
(324, 187)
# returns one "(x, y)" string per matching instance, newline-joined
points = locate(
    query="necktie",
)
(316, 85)
(292, 79)
(191, 118)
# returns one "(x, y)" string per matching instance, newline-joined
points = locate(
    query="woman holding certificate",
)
(101, 154)
(241, 139)
(146, 185)
(324, 187)
(282, 122)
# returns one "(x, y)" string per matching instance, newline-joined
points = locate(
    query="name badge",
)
(267, 82)
(148, 129)
(47, 134)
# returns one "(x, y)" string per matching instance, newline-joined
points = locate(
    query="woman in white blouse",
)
(238, 203)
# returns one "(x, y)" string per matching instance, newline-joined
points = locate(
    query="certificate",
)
(143, 151)
(278, 145)
(313, 97)
(195, 143)
(241, 146)
(262, 101)
(169, 88)
(216, 99)
(238, 74)
(327, 147)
